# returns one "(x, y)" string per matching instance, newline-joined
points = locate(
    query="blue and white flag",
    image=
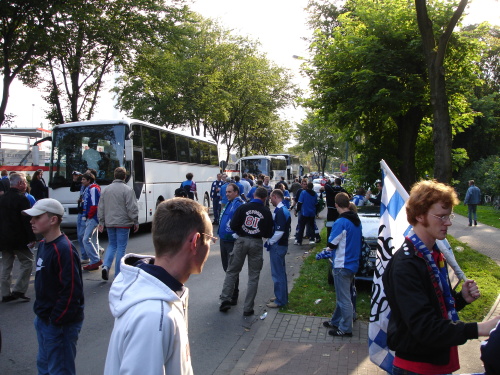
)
(393, 228)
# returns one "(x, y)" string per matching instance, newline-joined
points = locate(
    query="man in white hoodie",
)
(148, 298)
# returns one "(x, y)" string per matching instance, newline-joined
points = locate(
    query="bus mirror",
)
(129, 150)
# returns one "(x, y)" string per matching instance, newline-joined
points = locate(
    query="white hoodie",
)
(150, 331)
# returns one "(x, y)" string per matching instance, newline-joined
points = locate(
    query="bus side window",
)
(182, 148)
(168, 146)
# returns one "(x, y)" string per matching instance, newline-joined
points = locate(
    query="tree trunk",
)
(408, 126)
(434, 56)
(442, 134)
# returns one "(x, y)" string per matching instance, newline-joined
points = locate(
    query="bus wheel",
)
(206, 201)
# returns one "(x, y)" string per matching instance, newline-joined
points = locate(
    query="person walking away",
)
(90, 203)
(424, 328)
(17, 239)
(215, 196)
(472, 199)
(307, 207)
(344, 246)
(118, 212)
(223, 196)
(251, 222)
(149, 300)
(226, 234)
(277, 246)
(190, 186)
(59, 297)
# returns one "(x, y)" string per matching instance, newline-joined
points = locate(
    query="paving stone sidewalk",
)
(295, 344)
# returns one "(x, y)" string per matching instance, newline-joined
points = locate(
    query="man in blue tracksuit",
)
(277, 246)
(344, 246)
(226, 233)
(472, 199)
(215, 196)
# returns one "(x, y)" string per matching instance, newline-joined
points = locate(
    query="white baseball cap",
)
(45, 205)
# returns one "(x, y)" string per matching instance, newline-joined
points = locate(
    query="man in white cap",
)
(58, 289)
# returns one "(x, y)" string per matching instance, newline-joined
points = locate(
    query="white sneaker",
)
(312, 242)
(296, 243)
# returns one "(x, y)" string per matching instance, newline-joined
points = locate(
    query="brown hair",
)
(278, 193)
(88, 176)
(260, 192)
(424, 194)
(120, 173)
(342, 200)
(174, 220)
(235, 187)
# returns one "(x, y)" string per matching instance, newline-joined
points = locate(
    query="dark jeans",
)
(226, 248)
(400, 371)
(216, 208)
(56, 347)
(309, 222)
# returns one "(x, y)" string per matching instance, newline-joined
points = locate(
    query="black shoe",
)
(104, 273)
(248, 313)
(234, 301)
(9, 298)
(470, 225)
(215, 223)
(224, 306)
(329, 325)
(20, 295)
(475, 222)
(318, 240)
(339, 333)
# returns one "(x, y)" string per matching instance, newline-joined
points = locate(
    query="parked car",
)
(370, 222)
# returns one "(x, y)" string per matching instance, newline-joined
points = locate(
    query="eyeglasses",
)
(445, 218)
(214, 239)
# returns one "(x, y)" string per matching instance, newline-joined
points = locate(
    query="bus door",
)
(139, 184)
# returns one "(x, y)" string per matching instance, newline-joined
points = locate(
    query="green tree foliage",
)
(317, 138)
(483, 137)
(23, 40)
(88, 38)
(369, 72)
(213, 82)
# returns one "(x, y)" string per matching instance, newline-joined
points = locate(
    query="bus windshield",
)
(255, 166)
(82, 147)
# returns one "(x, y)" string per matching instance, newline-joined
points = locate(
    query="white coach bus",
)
(156, 159)
(272, 166)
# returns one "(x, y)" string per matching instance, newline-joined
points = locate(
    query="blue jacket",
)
(58, 282)
(473, 195)
(225, 232)
(307, 203)
(346, 239)
(223, 198)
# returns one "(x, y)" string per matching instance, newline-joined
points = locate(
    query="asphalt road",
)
(213, 334)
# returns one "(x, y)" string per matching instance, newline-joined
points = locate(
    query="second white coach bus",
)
(156, 159)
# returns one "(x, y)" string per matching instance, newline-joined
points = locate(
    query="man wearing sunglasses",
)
(424, 329)
(148, 299)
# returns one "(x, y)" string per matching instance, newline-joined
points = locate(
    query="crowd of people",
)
(148, 297)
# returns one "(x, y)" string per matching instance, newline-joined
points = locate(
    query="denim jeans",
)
(278, 273)
(118, 239)
(472, 212)
(90, 242)
(80, 231)
(308, 222)
(216, 208)
(343, 315)
(56, 347)
(400, 371)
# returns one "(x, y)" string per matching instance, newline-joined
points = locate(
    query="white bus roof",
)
(129, 122)
(261, 157)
